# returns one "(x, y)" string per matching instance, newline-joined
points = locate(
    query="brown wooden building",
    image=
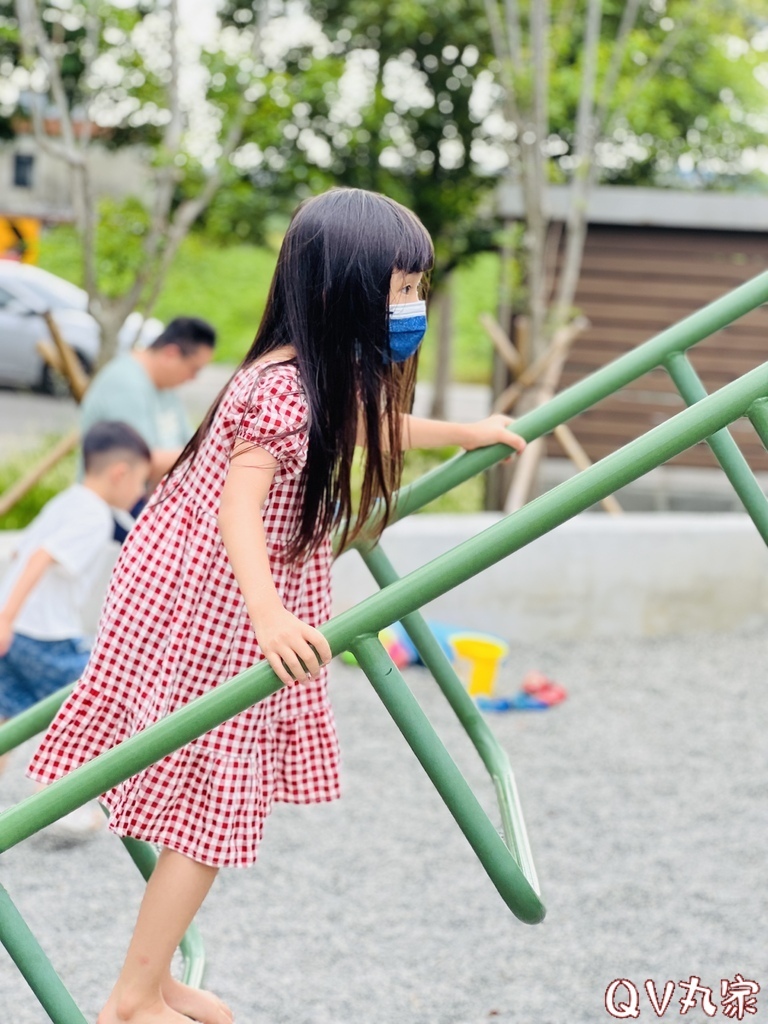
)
(653, 257)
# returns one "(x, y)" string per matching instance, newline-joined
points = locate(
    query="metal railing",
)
(508, 861)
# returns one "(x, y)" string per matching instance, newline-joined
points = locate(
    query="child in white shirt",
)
(57, 564)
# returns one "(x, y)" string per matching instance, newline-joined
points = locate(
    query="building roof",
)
(651, 207)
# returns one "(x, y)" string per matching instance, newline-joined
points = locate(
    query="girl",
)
(230, 563)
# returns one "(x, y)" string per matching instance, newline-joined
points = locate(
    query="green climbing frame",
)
(508, 860)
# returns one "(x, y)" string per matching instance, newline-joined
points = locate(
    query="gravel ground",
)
(645, 800)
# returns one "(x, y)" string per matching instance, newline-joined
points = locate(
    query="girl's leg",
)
(144, 992)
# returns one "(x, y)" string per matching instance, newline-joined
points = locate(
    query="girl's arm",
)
(30, 576)
(285, 641)
(423, 433)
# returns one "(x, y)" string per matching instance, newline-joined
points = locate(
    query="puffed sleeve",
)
(274, 416)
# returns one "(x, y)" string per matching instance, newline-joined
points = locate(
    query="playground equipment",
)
(507, 861)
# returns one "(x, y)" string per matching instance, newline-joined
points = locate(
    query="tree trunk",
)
(499, 477)
(442, 380)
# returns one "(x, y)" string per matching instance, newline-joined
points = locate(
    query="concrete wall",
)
(632, 575)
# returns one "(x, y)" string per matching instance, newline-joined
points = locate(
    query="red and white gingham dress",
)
(174, 625)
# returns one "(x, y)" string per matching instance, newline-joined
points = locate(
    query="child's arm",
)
(423, 433)
(285, 640)
(30, 576)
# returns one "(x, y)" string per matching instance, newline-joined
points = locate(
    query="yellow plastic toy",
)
(480, 656)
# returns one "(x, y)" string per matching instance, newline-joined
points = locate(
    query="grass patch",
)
(60, 477)
(467, 497)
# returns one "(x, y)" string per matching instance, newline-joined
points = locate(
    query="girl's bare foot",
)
(123, 1011)
(196, 1003)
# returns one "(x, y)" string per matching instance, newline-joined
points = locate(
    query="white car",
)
(25, 293)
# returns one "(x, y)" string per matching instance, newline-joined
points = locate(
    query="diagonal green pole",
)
(491, 753)
(423, 585)
(758, 415)
(35, 966)
(29, 723)
(512, 885)
(723, 446)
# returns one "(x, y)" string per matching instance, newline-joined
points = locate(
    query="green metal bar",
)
(425, 584)
(723, 446)
(497, 860)
(29, 723)
(580, 396)
(191, 946)
(758, 416)
(35, 966)
(26, 725)
(439, 576)
(492, 754)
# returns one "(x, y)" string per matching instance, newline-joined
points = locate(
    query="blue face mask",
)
(407, 326)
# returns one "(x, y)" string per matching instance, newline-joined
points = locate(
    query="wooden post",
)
(27, 482)
(444, 303)
(548, 367)
(62, 358)
(70, 364)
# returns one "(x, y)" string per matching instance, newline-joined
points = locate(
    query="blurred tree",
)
(433, 102)
(394, 105)
(105, 75)
(632, 92)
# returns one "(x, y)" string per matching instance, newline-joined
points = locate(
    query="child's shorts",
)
(33, 669)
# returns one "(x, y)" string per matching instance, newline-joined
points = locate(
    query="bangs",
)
(415, 254)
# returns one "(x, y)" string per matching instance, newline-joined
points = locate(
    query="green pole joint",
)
(587, 392)
(502, 868)
(492, 754)
(758, 417)
(722, 444)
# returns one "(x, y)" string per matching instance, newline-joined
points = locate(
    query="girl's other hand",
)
(296, 651)
(492, 430)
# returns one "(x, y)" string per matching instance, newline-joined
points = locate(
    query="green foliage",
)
(227, 286)
(119, 252)
(122, 227)
(686, 105)
(687, 102)
(402, 97)
(73, 28)
(467, 497)
(410, 129)
(11, 470)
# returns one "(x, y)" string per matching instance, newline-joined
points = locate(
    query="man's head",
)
(180, 352)
(117, 463)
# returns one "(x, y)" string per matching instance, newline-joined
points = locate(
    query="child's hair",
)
(113, 441)
(188, 333)
(329, 300)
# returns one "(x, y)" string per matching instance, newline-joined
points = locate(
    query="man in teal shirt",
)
(138, 388)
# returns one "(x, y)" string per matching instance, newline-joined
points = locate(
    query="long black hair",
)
(329, 300)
